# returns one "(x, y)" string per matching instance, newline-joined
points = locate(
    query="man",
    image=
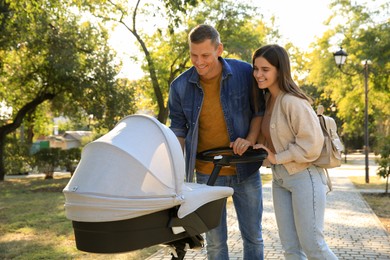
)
(210, 107)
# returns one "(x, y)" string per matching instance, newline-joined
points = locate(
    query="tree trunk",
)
(11, 127)
(163, 115)
(49, 175)
(2, 168)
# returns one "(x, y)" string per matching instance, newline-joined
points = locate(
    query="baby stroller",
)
(128, 192)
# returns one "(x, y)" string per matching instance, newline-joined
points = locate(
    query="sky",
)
(299, 21)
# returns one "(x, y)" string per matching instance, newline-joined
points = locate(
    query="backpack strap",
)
(325, 127)
(328, 181)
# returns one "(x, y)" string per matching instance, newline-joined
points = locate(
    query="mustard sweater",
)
(213, 131)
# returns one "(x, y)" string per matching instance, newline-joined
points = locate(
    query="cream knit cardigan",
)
(295, 132)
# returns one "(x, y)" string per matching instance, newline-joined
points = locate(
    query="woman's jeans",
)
(248, 202)
(299, 202)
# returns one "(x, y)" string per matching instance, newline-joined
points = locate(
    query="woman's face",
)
(265, 74)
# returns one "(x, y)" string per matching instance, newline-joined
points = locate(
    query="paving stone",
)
(352, 229)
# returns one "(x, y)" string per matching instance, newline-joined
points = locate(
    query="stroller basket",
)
(128, 192)
(152, 229)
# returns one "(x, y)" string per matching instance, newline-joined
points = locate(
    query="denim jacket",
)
(185, 102)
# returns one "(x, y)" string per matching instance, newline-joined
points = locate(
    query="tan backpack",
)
(333, 147)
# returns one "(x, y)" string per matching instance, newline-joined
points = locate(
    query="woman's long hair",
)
(278, 57)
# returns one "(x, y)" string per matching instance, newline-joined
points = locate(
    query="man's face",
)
(204, 56)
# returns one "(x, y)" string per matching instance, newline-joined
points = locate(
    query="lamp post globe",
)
(340, 57)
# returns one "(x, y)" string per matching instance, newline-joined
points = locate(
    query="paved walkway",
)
(352, 230)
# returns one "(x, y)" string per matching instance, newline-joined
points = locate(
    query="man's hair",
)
(204, 32)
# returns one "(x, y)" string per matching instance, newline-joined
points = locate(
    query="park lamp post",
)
(340, 58)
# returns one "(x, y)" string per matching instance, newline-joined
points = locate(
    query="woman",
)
(292, 136)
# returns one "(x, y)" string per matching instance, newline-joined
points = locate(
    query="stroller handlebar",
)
(224, 156)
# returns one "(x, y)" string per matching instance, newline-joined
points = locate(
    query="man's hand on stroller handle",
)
(240, 145)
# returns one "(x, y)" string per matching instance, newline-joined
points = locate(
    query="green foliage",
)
(50, 49)
(70, 158)
(384, 161)
(17, 158)
(363, 34)
(166, 48)
(241, 32)
(56, 62)
(46, 160)
(39, 122)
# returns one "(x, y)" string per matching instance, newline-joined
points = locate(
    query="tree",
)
(166, 50)
(364, 35)
(120, 12)
(48, 55)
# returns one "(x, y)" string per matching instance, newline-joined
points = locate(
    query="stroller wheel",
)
(179, 254)
(179, 250)
(180, 247)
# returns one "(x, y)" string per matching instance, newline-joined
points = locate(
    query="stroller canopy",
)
(135, 169)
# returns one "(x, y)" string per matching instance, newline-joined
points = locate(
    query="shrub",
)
(384, 161)
(70, 158)
(47, 160)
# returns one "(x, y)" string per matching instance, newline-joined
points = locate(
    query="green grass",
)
(33, 223)
(379, 202)
(376, 182)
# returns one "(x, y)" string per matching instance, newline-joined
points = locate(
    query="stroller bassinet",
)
(128, 192)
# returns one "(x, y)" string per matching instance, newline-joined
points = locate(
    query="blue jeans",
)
(299, 202)
(248, 203)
